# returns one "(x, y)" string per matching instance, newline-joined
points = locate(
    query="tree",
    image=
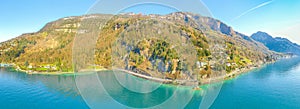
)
(26, 64)
(179, 66)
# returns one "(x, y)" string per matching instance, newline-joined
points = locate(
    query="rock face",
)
(217, 25)
(211, 27)
(277, 44)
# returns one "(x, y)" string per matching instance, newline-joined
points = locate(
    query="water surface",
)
(275, 86)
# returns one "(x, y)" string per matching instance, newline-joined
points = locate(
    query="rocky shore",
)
(191, 82)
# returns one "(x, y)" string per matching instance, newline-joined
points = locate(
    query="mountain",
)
(177, 45)
(211, 27)
(277, 44)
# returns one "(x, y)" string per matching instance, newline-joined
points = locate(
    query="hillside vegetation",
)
(175, 46)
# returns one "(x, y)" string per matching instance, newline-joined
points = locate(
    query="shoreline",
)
(229, 76)
(66, 73)
(195, 83)
(13, 68)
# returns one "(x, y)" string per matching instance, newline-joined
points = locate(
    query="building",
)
(201, 64)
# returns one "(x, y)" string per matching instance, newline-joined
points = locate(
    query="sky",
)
(25, 16)
(279, 18)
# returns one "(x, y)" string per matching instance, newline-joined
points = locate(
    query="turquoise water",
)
(22, 91)
(275, 86)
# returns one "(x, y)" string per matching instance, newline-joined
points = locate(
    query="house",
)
(82, 31)
(228, 64)
(201, 64)
(117, 26)
(30, 66)
(54, 68)
(231, 64)
(47, 66)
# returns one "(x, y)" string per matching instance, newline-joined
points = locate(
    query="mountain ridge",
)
(277, 44)
(51, 48)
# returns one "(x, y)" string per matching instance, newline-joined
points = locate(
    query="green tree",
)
(26, 64)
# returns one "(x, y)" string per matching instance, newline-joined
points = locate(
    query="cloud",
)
(252, 9)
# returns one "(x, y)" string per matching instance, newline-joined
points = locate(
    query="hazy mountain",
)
(277, 44)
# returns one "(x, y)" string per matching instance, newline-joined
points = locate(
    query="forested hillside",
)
(154, 45)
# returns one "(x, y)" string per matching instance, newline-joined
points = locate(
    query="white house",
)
(201, 64)
(228, 64)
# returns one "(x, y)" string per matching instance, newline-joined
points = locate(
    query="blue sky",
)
(277, 17)
(280, 18)
(23, 16)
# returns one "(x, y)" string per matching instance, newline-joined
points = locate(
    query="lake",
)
(275, 86)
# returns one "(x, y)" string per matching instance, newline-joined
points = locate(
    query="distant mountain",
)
(277, 44)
